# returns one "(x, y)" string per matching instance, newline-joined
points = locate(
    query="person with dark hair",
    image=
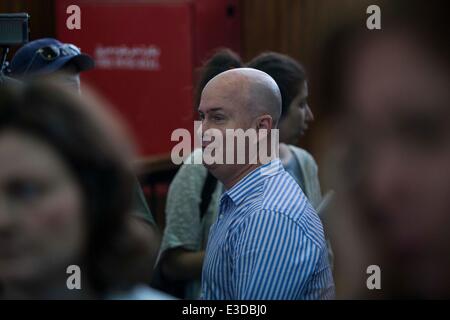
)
(222, 60)
(193, 198)
(290, 77)
(66, 188)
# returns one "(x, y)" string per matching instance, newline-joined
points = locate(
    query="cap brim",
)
(82, 62)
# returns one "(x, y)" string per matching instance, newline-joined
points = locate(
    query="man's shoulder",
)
(283, 196)
(281, 193)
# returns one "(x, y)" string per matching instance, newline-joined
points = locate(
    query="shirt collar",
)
(253, 181)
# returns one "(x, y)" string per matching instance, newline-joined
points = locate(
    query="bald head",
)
(253, 92)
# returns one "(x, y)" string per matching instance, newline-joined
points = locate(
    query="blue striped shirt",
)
(267, 243)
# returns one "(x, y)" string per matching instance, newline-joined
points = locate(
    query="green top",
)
(185, 229)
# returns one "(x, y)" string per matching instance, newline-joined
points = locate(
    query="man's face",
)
(71, 80)
(69, 77)
(399, 97)
(220, 109)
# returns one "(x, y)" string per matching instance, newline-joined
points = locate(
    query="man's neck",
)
(229, 181)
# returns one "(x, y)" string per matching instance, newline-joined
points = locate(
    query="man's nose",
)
(309, 114)
(203, 128)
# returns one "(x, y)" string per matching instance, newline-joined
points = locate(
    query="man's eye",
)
(24, 191)
(218, 118)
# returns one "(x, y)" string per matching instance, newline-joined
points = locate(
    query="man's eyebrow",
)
(215, 109)
(211, 110)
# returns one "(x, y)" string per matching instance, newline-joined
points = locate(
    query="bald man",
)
(267, 242)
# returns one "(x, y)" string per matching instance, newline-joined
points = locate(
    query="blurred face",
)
(295, 122)
(68, 77)
(71, 80)
(41, 223)
(399, 96)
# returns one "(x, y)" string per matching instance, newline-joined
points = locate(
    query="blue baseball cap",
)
(48, 55)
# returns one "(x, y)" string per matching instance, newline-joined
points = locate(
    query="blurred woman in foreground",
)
(66, 190)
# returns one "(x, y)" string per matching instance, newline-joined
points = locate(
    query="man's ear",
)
(264, 122)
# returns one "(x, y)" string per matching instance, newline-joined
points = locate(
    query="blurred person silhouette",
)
(66, 189)
(193, 199)
(390, 89)
(46, 57)
(49, 58)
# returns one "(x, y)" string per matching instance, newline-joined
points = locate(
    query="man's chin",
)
(216, 169)
(211, 166)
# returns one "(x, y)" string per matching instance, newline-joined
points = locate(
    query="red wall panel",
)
(146, 52)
